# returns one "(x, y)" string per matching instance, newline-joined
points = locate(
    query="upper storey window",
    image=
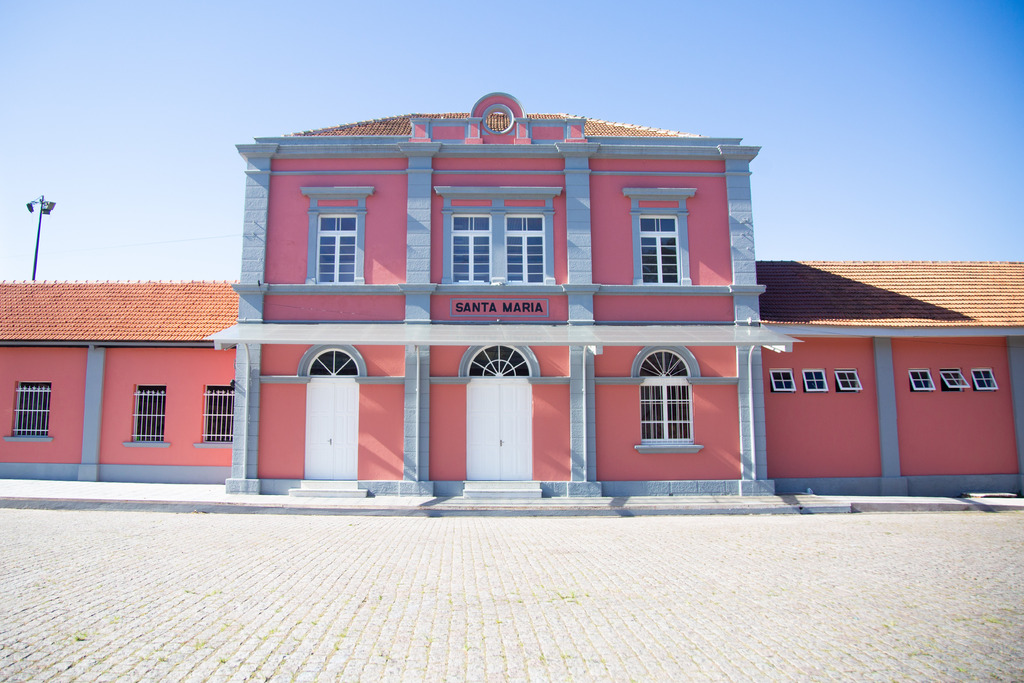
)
(661, 249)
(499, 239)
(337, 226)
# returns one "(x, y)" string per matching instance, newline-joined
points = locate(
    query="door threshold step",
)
(501, 489)
(327, 489)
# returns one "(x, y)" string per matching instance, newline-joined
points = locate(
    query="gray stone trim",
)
(1015, 354)
(312, 352)
(92, 419)
(335, 289)
(750, 395)
(639, 194)
(503, 193)
(631, 381)
(29, 439)
(146, 444)
(676, 290)
(337, 172)
(663, 174)
(497, 289)
(245, 446)
(205, 444)
(647, 448)
(380, 380)
(741, 221)
(709, 487)
(888, 421)
(931, 332)
(579, 240)
(919, 485)
(417, 251)
(548, 380)
(691, 361)
(416, 444)
(165, 474)
(39, 470)
(316, 212)
(284, 379)
(449, 380)
(471, 352)
(582, 417)
(254, 223)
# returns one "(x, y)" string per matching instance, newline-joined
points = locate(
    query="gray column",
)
(92, 421)
(754, 479)
(254, 226)
(417, 251)
(892, 483)
(582, 425)
(416, 463)
(577, 210)
(1015, 351)
(741, 217)
(245, 449)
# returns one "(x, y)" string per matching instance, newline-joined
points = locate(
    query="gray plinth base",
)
(88, 473)
(398, 488)
(892, 486)
(759, 487)
(703, 487)
(246, 486)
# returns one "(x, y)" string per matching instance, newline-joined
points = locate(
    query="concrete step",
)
(501, 489)
(309, 488)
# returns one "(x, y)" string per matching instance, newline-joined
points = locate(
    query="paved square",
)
(151, 596)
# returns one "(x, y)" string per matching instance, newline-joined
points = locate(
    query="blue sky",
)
(889, 130)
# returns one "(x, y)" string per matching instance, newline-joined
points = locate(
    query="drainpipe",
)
(750, 399)
(245, 414)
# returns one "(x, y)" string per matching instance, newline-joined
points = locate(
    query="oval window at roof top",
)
(498, 119)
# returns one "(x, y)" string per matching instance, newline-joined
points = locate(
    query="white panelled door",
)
(332, 429)
(499, 441)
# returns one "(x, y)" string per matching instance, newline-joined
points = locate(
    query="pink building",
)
(503, 303)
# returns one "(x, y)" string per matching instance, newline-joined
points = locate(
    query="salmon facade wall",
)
(954, 432)
(831, 434)
(186, 373)
(64, 369)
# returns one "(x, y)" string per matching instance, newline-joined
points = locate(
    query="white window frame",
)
(474, 235)
(218, 414)
(809, 378)
(322, 202)
(149, 420)
(782, 380)
(32, 409)
(643, 195)
(523, 250)
(656, 273)
(953, 379)
(343, 251)
(848, 380)
(921, 379)
(666, 402)
(984, 379)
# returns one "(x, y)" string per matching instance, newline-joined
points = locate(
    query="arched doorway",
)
(499, 415)
(332, 416)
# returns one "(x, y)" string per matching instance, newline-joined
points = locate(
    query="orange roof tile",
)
(400, 125)
(115, 311)
(893, 293)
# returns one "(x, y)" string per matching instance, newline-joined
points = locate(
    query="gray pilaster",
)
(416, 459)
(1015, 352)
(892, 482)
(417, 250)
(741, 220)
(93, 417)
(753, 464)
(257, 197)
(245, 449)
(577, 210)
(582, 421)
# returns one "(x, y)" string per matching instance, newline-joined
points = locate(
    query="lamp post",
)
(45, 208)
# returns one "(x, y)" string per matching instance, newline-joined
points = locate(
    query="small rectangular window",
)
(953, 380)
(524, 247)
(921, 380)
(150, 413)
(659, 253)
(984, 380)
(32, 409)
(814, 381)
(336, 251)
(219, 414)
(471, 249)
(782, 380)
(847, 380)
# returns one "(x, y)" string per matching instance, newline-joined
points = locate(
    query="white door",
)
(332, 429)
(499, 440)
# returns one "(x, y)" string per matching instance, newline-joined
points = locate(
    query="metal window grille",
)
(32, 409)
(848, 380)
(814, 381)
(659, 254)
(921, 380)
(471, 249)
(782, 380)
(665, 413)
(499, 361)
(984, 379)
(219, 414)
(150, 413)
(953, 380)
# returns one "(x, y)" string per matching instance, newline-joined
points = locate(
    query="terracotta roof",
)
(893, 293)
(115, 311)
(400, 125)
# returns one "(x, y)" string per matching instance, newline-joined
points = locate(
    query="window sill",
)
(146, 444)
(646, 448)
(211, 444)
(28, 439)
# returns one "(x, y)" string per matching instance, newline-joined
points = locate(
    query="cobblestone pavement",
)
(146, 596)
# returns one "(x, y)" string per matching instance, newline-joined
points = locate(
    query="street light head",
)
(47, 207)
(31, 207)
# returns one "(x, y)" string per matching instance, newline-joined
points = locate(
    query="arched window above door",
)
(332, 361)
(499, 361)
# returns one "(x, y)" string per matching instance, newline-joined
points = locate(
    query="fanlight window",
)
(663, 364)
(499, 361)
(333, 364)
(665, 404)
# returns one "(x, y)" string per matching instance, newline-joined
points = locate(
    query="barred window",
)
(150, 412)
(219, 414)
(32, 409)
(665, 408)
